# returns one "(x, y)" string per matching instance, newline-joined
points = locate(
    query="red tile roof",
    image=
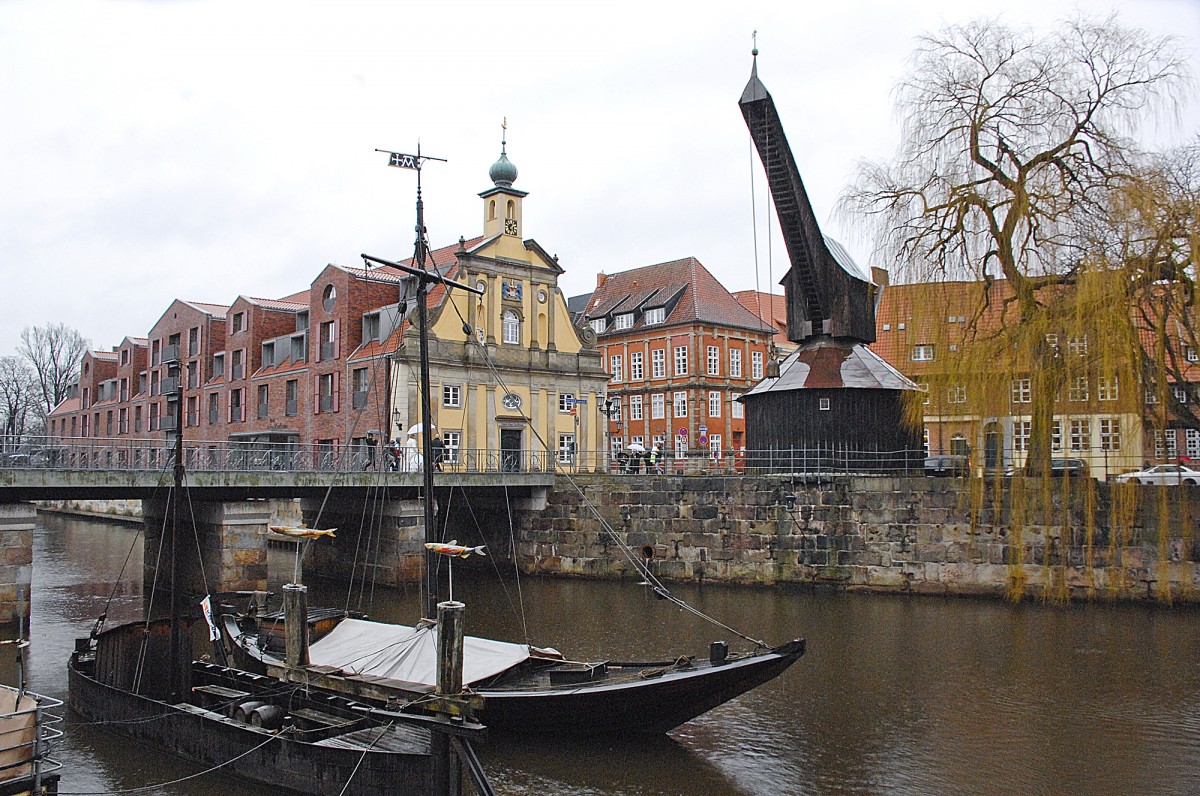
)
(698, 296)
(215, 310)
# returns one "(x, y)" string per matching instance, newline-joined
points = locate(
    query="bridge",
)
(226, 503)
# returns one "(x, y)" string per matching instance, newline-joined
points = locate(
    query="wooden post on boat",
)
(295, 624)
(450, 648)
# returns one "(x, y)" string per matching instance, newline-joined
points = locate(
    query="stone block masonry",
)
(1059, 541)
(16, 561)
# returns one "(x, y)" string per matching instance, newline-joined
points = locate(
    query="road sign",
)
(704, 431)
(683, 432)
(703, 440)
(569, 401)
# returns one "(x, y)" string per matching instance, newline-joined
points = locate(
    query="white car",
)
(1162, 474)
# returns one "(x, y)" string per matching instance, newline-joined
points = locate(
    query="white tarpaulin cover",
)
(398, 652)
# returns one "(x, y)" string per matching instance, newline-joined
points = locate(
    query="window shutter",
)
(337, 391)
(316, 394)
(337, 353)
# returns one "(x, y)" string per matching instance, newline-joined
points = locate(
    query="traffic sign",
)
(703, 440)
(683, 432)
(704, 431)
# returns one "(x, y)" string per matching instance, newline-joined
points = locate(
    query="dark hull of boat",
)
(652, 705)
(274, 759)
(633, 699)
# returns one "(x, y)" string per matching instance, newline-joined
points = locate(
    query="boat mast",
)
(423, 278)
(176, 601)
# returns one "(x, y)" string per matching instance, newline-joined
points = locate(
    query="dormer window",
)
(655, 315)
(599, 325)
(623, 321)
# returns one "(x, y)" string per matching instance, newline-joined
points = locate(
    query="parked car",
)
(950, 464)
(27, 456)
(1162, 474)
(1059, 468)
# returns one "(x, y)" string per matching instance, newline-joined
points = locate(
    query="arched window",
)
(512, 327)
(328, 297)
(511, 211)
(492, 210)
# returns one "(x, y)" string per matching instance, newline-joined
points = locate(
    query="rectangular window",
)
(1151, 394)
(756, 365)
(714, 404)
(1106, 389)
(658, 363)
(1180, 394)
(1022, 429)
(680, 404)
(680, 446)
(1078, 391)
(1191, 355)
(714, 361)
(291, 394)
(614, 413)
(735, 363)
(923, 386)
(236, 362)
(1165, 444)
(123, 422)
(616, 445)
(193, 341)
(1077, 346)
(358, 382)
(268, 354)
(736, 408)
(623, 321)
(655, 315)
(566, 448)
(824, 405)
(370, 328)
(1192, 443)
(599, 325)
(325, 393)
(214, 410)
(235, 406)
(956, 394)
(922, 353)
(1110, 434)
(714, 445)
(452, 440)
(635, 366)
(238, 323)
(1056, 435)
(1022, 391)
(451, 396)
(681, 360)
(658, 406)
(1081, 434)
(299, 347)
(566, 401)
(616, 367)
(328, 333)
(635, 407)
(155, 347)
(264, 403)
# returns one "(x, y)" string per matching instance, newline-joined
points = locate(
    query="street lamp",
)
(605, 406)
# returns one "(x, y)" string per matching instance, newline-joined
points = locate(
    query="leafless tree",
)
(54, 351)
(1010, 142)
(18, 399)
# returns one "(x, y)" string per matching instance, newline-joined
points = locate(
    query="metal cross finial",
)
(754, 39)
(503, 134)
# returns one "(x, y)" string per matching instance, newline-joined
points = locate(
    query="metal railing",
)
(26, 739)
(93, 453)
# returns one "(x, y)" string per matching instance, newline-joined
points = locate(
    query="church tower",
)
(502, 202)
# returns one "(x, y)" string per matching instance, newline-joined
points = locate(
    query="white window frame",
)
(679, 404)
(451, 445)
(681, 360)
(714, 403)
(658, 406)
(714, 360)
(737, 409)
(1022, 431)
(512, 327)
(956, 394)
(923, 352)
(566, 402)
(756, 365)
(616, 366)
(566, 448)
(1078, 390)
(1110, 434)
(735, 363)
(599, 325)
(451, 396)
(655, 315)
(1022, 391)
(635, 407)
(623, 321)
(1081, 434)
(636, 369)
(658, 363)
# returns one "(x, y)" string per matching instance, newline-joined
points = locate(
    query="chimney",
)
(600, 278)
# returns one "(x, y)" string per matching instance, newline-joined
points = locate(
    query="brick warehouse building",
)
(329, 364)
(681, 350)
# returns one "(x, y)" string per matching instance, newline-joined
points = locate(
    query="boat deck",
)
(392, 738)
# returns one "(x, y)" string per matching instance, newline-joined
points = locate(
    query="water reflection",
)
(896, 696)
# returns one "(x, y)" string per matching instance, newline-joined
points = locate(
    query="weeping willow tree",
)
(1012, 146)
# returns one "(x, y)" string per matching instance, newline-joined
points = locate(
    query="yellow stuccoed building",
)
(514, 384)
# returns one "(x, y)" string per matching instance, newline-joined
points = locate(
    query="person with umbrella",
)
(636, 451)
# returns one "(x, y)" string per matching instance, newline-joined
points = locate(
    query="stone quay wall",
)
(1016, 539)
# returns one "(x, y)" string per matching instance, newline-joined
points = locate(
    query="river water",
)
(897, 695)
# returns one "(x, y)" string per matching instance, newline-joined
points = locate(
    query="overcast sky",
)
(203, 150)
